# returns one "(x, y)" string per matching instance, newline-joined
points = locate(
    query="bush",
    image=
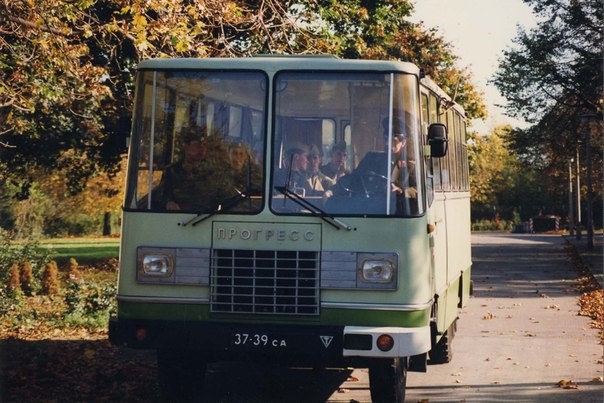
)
(50, 280)
(27, 278)
(72, 270)
(73, 297)
(72, 225)
(100, 298)
(89, 304)
(492, 225)
(14, 284)
(8, 303)
(33, 259)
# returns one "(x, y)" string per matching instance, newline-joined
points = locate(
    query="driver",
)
(402, 167)
(194, 182)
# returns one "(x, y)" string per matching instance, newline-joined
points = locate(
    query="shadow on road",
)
(94, 370)
(264, 383)
(521, 273)
(74, 370)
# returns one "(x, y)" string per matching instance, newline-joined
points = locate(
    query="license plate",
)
(259, 340)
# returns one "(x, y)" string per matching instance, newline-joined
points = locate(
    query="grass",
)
(84, 250)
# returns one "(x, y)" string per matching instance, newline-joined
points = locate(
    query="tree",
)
(500, 183)
(67, 69)
(551, 77)
(492, 169)
(558, 63)
(66, 84)
(377, 29)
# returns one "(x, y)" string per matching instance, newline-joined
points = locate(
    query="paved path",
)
(520, 334)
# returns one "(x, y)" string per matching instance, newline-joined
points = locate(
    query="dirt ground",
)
(74, 370)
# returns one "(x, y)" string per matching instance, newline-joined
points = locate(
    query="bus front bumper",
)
(287, 342)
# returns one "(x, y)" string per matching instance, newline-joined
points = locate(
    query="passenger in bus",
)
(293, 175)
(245, 172)
(197, 181)
(319, 182)
(336, 167)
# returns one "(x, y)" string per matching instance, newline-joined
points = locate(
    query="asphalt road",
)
(517, 339)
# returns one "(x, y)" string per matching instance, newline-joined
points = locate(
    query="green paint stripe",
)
(329, 316)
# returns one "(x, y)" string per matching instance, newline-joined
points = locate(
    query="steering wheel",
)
(365, 184)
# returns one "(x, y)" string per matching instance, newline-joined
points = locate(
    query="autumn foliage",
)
(14, 285)
(50, 281)
(72, 270)
(26, 278)
(66, 86)
(591, 301)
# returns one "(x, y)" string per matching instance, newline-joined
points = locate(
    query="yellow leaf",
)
(181, 46)
(139, 21)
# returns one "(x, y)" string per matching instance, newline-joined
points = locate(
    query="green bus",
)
(304, 209)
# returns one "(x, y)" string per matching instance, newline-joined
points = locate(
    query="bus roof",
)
(272, 63)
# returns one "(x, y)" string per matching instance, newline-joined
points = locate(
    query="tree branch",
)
(33, 25)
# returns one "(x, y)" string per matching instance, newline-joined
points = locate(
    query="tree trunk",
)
(107, 223)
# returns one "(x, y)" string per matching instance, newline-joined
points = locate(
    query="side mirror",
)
(438, 140)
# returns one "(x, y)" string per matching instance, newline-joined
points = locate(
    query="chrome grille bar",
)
(265, 282)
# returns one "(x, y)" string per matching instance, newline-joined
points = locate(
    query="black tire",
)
(442, 352)
(388, 380)
(181, 374)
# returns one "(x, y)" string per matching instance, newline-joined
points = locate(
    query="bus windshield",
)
(346, 144)
(199, 141)
(343, 143)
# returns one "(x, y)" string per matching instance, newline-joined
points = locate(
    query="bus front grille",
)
(265, 282)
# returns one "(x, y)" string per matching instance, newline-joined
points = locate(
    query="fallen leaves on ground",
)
(75, 370)
(45, 359)
(567, 384)
(591, 301)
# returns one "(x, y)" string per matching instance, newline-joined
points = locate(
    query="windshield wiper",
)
(223, 205)
(333, 221)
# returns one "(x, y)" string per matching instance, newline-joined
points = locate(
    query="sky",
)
(479, 30)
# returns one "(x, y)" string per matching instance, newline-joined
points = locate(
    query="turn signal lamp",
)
(385, 342)
(140, 334)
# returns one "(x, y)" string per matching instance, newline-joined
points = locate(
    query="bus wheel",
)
(442, 352)
(388, 380)
(181, 374)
